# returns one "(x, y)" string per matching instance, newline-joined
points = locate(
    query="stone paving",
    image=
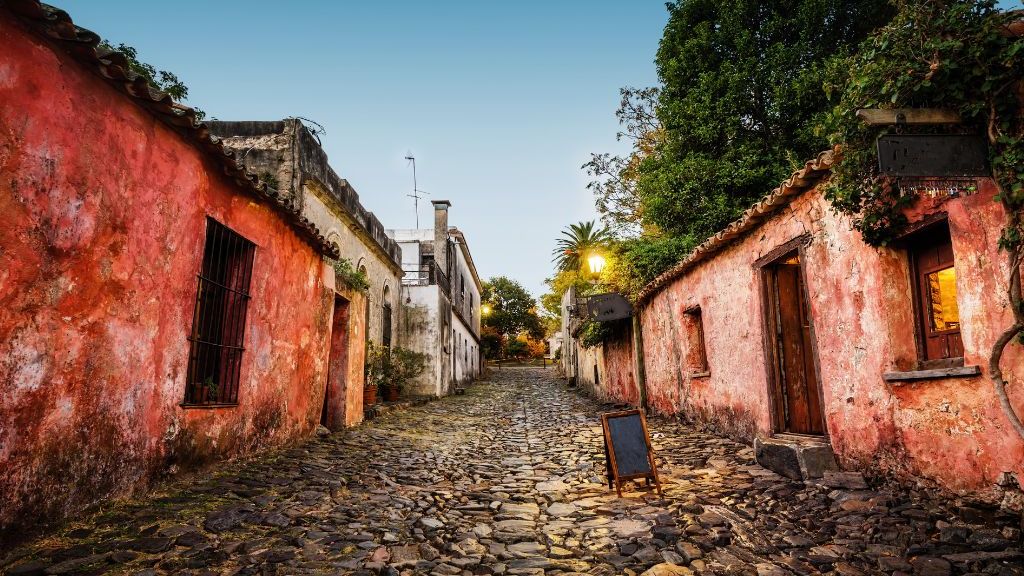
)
(508, 479)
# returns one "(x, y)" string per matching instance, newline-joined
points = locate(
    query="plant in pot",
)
(406, 365)
(375, 373)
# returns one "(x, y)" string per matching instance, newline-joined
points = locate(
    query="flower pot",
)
(369, 395)
(391, 394)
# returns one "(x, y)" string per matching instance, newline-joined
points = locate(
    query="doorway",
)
(332, 415)
(796, 397)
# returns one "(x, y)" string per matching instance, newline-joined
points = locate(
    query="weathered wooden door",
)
(332, 414)
(791, 354)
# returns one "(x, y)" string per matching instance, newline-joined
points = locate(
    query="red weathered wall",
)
(104, 213)
(950, 430)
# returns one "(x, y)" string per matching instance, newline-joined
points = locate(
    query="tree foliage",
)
(162, 80)
(513, 310)
(614, 178)
(742, 90)
(577, 242)
(739, 108)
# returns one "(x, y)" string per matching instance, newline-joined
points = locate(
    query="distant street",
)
(508, 479)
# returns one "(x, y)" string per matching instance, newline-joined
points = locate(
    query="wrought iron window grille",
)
(216, 342)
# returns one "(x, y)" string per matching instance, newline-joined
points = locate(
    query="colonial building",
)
(787, 329)
(441, 303)
(288, 155)
(159, 306)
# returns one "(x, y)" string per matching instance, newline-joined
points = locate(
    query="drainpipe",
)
(638, 359)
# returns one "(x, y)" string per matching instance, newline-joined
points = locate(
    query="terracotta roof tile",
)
(806, 178)
(83, 44)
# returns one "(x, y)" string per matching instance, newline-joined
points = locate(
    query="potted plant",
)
(369, 394)
(373, 373)
(405, 366)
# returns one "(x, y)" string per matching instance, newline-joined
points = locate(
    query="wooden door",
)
(332, 414)
(795, 384)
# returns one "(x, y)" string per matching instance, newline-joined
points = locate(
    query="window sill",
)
(933, 374)
(704, 374)
(211, 405)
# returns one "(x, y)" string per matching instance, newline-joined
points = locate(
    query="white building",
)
(440, 315)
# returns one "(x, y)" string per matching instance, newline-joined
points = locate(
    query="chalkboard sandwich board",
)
(627, 449)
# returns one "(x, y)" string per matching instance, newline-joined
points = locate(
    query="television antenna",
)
(415, 189)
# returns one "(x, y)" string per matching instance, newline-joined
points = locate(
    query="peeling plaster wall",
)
(950, 430)
(422, 332)
(619, 379)
(104, 209)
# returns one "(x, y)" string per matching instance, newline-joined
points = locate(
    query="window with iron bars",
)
(218, 322)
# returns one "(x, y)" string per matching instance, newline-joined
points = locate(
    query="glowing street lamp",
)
(596, 263)
(485, 309)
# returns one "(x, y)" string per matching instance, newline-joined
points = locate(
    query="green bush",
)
(393, 367)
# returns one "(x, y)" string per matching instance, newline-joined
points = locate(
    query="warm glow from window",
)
(942, 295)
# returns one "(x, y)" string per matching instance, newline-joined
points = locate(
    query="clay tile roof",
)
(83, 45)
(806, 178)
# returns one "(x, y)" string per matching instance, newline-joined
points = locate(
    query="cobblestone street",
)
(508, 479)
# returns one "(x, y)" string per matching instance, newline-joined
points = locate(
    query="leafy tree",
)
(162, 80)
(513, 310)
(576, 242)
(615, 177)
(491, 342)
(637, 261)
(517, 348)
(551, 302)
(954, 54)
(743, 86)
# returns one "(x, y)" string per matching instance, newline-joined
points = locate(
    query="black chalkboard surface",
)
(627, 448)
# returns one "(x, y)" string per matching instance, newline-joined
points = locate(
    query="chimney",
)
(441, 234)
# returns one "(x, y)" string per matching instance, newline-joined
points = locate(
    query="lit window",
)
(938, 314)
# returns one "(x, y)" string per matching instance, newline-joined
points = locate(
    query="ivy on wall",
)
(961, 55)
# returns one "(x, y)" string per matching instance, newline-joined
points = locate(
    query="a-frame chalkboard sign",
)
(627, 449)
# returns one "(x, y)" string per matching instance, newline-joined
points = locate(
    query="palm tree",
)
(577, 241)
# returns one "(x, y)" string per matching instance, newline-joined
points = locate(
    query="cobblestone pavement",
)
(508, 479)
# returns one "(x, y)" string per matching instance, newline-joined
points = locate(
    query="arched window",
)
(386, 316)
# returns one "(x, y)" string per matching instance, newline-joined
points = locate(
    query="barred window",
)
(218, 322)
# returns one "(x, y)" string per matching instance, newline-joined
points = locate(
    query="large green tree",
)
(742, 89)
(513, 311)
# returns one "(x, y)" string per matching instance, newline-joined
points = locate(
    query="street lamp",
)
(485, 309)
(596, 263)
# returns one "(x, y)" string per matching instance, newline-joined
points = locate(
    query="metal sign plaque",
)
(608, 307)
(932, 155)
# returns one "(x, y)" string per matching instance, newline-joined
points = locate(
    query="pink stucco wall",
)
(950, 430)
(619, 383)
(104, 212)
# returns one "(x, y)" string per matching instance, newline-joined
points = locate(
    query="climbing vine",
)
(347, 272)
(961, 55)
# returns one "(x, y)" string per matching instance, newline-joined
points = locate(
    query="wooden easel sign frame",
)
(624, 460)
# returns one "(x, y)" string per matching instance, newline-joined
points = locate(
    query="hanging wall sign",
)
(608, 307)
(932, 155)
(627, 449)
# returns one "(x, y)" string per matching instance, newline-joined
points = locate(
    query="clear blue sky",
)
(501, 102)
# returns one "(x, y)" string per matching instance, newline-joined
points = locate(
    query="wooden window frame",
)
(217, 337)
(696, 347)
(922, 324)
